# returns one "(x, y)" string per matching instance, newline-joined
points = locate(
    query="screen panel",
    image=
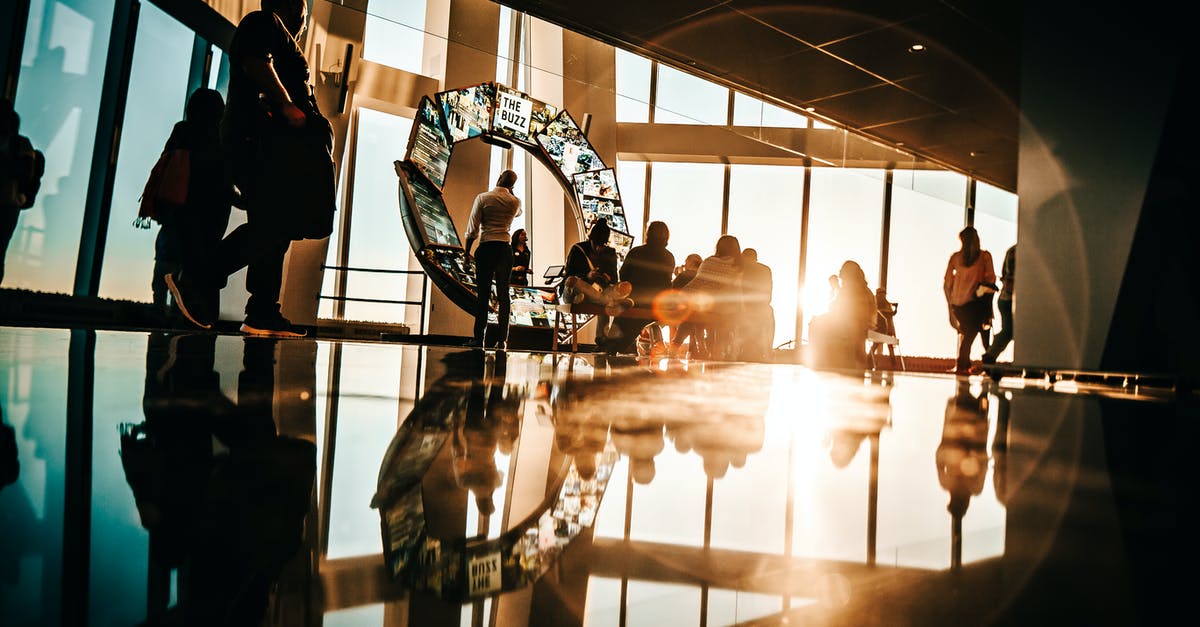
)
(431, 212)
(566, 146)
(428, 146)
(467, 112)
(597, 184)
(519, 117)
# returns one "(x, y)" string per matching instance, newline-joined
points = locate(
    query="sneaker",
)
(623, 289)
(473, 343)
(189, 303)
(271, 326)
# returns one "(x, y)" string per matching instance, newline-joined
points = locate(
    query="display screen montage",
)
(468, 111)
(568, 148)
(430, 150)
(518, 116)
(600, 209)
(600, 184)
(439, 228)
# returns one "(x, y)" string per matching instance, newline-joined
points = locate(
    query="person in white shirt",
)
(491, 218)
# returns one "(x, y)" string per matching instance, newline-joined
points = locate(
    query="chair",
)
(886, 334)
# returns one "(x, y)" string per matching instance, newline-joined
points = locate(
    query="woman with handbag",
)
(969, 284)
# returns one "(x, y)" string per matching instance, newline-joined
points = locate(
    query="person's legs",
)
(1002, 339)
(503, 273)
(966, 338)
(485, 273)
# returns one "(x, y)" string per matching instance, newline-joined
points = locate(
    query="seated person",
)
(715, 292)
(838, 338)
(591, 275)
(647, 269)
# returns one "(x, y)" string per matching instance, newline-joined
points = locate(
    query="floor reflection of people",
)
(489, 426)
(223, 495)
(962, 457)
(10, 466)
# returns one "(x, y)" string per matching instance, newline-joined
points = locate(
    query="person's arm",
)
(948, 280)
(474, 222)
(989, 268)
(264, 76)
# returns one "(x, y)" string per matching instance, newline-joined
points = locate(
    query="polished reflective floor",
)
(178, 479)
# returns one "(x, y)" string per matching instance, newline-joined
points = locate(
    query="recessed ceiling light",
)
(917, 48)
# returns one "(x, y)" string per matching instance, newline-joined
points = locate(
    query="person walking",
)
(277, 144)
(188, 234)
(21, 169)
(491, 217)
(968, 284)
(1004, 303)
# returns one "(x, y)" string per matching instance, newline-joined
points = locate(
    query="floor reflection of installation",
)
(221, 493)
(500, 115)
(473, 409)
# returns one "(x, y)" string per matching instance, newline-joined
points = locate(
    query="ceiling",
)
(954, 104)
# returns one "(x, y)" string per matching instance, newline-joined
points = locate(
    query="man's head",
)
(657, 233)
(750, 255)
(507, 180)
(599, 233)
(293, 13)
(693, 261)
(205, 107)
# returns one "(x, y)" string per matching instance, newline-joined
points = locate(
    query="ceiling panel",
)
(957, 98)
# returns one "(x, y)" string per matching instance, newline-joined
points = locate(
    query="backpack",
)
(23, 167)
(166, 187)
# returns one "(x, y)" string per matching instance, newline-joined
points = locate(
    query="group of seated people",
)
(707, 302)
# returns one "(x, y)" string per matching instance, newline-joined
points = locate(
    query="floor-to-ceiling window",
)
(158, 83)
(764, 213)
(845, 220)
(58, 99)
(687, 197)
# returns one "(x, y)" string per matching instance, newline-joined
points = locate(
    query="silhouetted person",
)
(716, 293)
(648, 269)
(491, 218)
(962, 457)
(838, 338)
(21, 168)
(677, 303)
(759, 320)
(10, 464)
(968, 284)
(223, 496)
(521, 258)
(278, 148)
(1004, 302)
(188, 235)
(885, 323)
(592, 276)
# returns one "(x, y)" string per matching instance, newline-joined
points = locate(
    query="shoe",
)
(189, 303)
(623, 289)
(618, 306)
(271, 326)
(501, 345)
(575, 297)
(473, 343)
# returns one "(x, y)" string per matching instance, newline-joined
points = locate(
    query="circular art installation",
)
(498, 114)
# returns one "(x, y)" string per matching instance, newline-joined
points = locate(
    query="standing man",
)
(272, 133)
(1004, 302)
(760, 316)
(21, 169)
(648, 270)
(491, 218)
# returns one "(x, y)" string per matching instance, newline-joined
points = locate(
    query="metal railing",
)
(419, 303)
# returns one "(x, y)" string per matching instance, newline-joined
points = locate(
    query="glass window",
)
(765, 203)
(369, 411)
(631, 183)
(750, 111)
(398, 35)
(58, 98)
(687, 196)
(845, 219)
(650, 604)
(377, 236)
(633, 87)
(923, 236)
(996, 221)
(685, 99)
(157, 93)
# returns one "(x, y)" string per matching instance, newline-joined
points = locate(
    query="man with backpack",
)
(21, 169)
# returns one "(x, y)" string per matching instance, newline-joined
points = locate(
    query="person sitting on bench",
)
(591, 276)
